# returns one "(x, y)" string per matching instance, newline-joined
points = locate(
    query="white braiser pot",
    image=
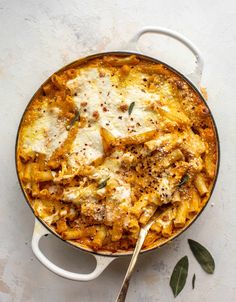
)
(102, 261)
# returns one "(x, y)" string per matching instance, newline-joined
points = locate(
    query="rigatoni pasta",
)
(108, 143)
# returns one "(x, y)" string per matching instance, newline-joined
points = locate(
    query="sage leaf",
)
(103, 183)
(193, 281)
(131, 107)
(179, 276)
(75, 118)
(203, 256)
(183, 180)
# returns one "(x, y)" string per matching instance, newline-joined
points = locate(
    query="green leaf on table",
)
(203, 256)
(193, 281)
(179, 276)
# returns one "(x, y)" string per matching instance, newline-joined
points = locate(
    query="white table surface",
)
(37, 38)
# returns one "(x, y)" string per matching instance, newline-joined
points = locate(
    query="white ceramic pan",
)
(104, 259)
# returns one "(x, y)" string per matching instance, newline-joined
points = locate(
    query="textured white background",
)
(37, 38)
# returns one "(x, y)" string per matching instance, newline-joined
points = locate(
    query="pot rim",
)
(192, 85)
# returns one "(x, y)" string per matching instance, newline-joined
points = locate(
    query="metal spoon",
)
(142, 235)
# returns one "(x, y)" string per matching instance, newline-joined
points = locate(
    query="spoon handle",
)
(125, 285)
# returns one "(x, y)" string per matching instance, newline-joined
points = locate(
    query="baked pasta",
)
(108, 142)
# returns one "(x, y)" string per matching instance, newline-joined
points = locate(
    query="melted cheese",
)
(165, 189)
(45, 134)
(93, 93)
(86, 147)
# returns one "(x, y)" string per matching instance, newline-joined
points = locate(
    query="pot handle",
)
(196, 74)
(102, 262)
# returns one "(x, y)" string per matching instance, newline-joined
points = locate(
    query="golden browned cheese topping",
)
(106, 144)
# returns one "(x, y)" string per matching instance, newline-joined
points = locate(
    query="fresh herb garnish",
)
(103, 183)
(131, 107)
(203, 256)
(183, 180)
(193, 281)
(179, 276)
(75, 118)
